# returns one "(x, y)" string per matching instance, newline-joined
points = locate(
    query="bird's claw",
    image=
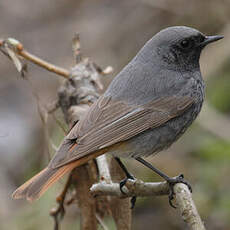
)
(133, 201)
(172, 182)
(122, 184)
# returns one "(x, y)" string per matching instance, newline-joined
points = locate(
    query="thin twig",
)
(4, 52)
(46, 65)
(17, 47)
(101, 222)
(59, 212)
(106, 71)
(59, 124)
(76, 47)
(53, 107)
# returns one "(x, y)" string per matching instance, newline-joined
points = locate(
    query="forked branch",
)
(183, 197)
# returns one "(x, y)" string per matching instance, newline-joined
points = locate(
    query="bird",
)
(145, 109)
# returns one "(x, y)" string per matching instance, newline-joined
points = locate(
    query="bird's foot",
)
(172, 181)
(122, 184)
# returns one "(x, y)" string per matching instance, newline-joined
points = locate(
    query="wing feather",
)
(109, 122)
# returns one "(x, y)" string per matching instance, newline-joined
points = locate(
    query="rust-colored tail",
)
(37, 185)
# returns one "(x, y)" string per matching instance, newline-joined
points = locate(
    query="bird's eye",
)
(186, 44)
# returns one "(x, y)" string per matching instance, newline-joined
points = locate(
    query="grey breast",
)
(155, 140)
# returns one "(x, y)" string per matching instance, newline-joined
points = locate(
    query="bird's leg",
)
(128, 175)
(123, 182)
(171, 181)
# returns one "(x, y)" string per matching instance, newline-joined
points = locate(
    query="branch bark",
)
(131, 188)
(120, 208)
(183, 197)
(187, 208)
(83, 179)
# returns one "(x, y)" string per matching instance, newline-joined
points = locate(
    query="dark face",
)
(180, 47)
(186, 51)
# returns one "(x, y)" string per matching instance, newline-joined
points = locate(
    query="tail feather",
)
(37, 185)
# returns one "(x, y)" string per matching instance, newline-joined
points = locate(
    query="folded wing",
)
(109, 122)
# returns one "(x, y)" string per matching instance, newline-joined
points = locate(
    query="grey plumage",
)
(161, 69)
(146, 108)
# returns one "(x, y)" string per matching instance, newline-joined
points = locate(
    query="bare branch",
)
(17, 47)
(131, 188)
(106, 71)
(103, 168)
(184, 201)
(59, 123)
(187, 208)
(120, 208)
(76, 47)
(83, 178)
(53, 107)
(59, 212)
(101, 222)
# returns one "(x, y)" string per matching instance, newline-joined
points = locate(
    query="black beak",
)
(210, 39)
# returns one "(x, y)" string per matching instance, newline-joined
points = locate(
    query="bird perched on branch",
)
(146, 108)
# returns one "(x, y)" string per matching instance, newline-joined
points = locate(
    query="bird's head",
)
(180, 46)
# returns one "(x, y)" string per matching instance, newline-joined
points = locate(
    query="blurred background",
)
(111, 33)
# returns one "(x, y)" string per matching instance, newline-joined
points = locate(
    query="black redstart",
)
(146, 108)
